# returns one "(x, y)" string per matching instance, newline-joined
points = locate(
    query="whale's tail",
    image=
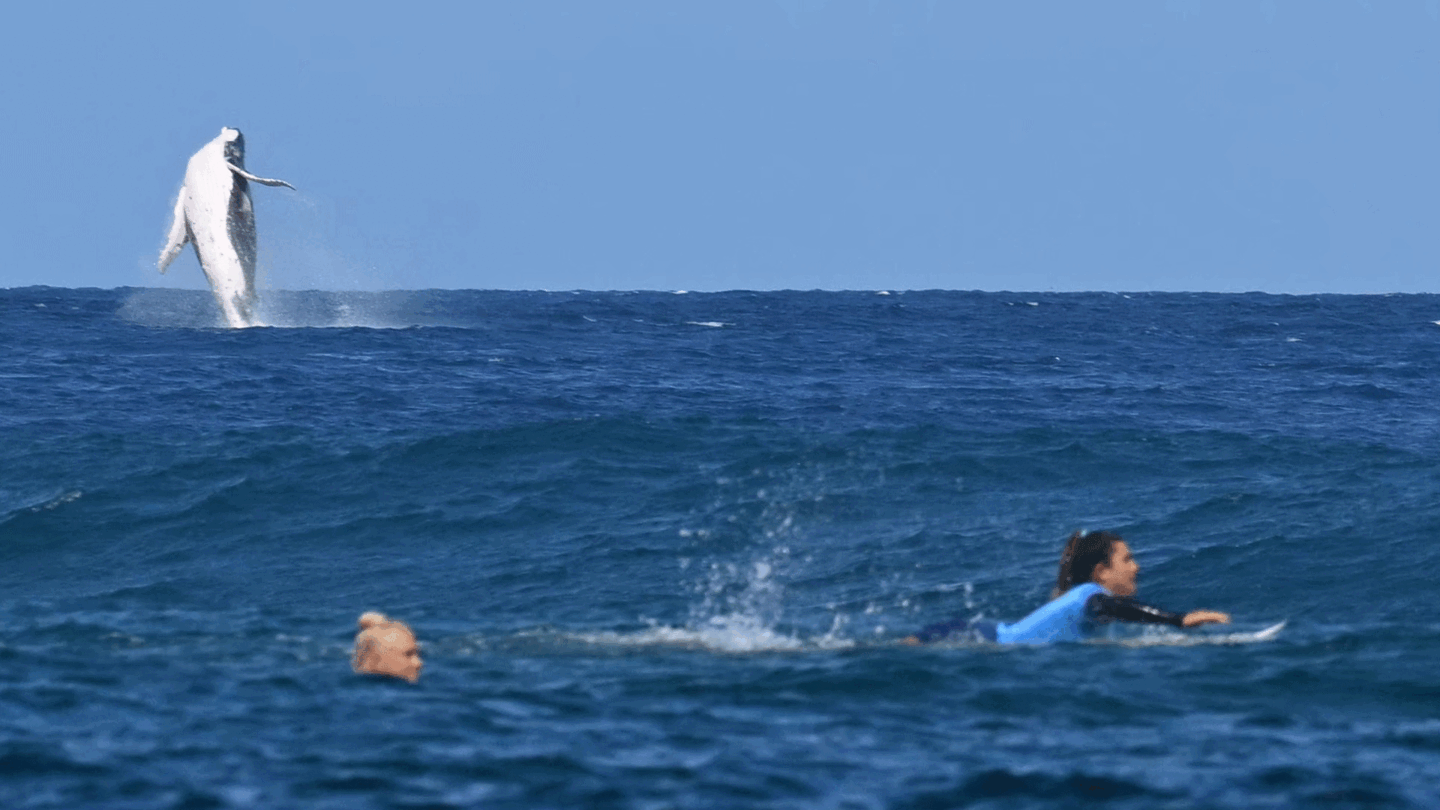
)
(179, 234)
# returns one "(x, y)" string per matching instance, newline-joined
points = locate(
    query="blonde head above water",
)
(386, 647)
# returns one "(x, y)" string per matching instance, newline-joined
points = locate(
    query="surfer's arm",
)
(179, 234)
(1103, 607)
(255, 179)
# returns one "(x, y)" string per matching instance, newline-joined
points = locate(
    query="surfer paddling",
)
(1094, 587)
(386, 647)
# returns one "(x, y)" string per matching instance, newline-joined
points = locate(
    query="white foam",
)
(731, 634)
(43, 503)
(72, 495)
(725, 634)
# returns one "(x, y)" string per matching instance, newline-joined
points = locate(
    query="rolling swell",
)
(659, 548)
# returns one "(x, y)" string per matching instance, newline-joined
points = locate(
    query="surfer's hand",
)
(1195, 618)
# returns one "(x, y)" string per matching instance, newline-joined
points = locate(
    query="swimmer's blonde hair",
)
(373, 618)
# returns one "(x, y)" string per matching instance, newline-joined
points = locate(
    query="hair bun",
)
(371, 618)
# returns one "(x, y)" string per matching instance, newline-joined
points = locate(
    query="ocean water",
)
(659, 548)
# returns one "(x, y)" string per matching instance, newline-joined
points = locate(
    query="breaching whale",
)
(214, 212)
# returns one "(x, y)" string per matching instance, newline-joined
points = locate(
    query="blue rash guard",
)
(1063, 618)
(1073, 616)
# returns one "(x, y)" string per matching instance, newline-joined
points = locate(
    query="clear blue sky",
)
(1277, 145)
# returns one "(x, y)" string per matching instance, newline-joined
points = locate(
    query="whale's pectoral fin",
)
(262, 180)
(179, 234)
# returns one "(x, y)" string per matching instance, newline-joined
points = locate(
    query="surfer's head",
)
(386, 647)
(1099, 557)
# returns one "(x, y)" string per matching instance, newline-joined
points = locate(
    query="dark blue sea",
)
(659, 549)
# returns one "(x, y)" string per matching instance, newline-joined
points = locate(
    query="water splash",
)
(194, 309)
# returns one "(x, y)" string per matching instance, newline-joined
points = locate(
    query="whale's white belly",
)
(211, 185)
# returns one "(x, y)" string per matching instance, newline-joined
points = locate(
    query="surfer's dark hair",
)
(1082, 553)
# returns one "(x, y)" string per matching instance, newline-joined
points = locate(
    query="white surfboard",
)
(1172, 638)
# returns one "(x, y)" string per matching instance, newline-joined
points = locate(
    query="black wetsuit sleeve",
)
(1102, 607)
